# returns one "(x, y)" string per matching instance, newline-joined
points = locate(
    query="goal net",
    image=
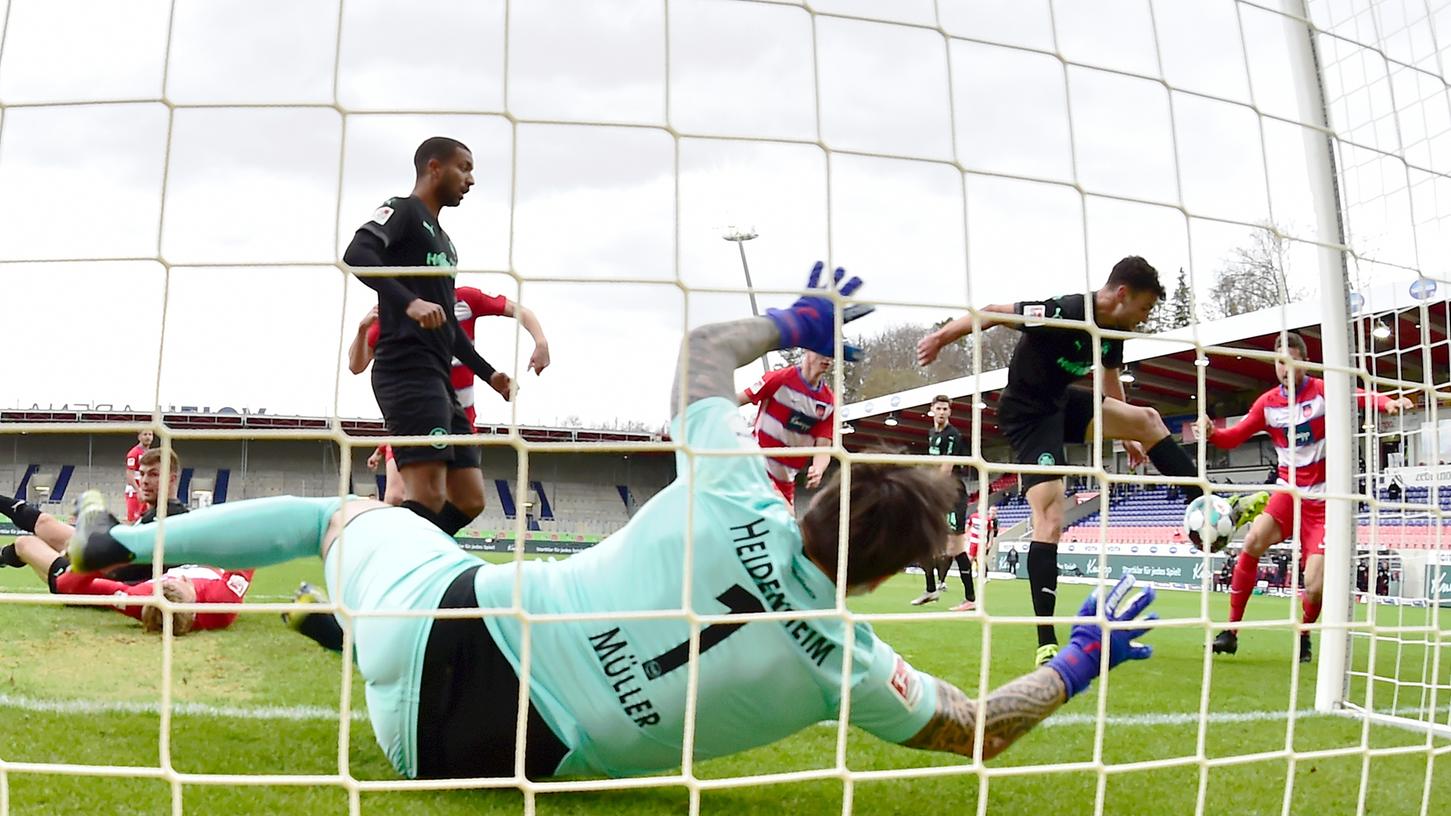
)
(181, 179)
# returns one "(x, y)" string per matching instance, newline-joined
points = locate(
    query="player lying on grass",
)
(609, 695)
(56, 534)
(1277, 414)
(44, 552)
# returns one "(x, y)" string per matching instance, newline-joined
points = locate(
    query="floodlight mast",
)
(740, 237)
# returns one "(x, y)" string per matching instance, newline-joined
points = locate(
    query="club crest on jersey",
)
(1306, 410)
(382, 214)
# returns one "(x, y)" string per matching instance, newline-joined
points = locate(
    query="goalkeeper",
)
(608, 696)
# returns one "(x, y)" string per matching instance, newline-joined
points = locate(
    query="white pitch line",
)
(1185, 718)
(293, 713)
(321, 714)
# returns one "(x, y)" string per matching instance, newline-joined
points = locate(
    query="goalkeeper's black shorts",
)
(468, 702)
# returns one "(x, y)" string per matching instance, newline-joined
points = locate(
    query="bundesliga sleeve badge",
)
(381, 215)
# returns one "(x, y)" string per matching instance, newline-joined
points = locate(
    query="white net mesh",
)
(183, 177)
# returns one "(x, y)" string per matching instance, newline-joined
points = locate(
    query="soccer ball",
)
(1208, 520)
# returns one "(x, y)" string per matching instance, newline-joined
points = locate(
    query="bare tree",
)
(891, 360)
(1253, 277)
(1174, 311)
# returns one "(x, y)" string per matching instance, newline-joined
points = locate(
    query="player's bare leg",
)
(37, 554)
(1264, 533)
(1312, 593)
(1046, 501)
(1132, 423)
(465, 489)
(425, 485)
(392, 483)
(53, 531)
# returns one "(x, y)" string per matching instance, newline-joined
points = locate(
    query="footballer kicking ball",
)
(1209, 521)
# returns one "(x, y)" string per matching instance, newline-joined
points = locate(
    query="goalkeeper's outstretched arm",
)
(1011, 711)
(712, 353)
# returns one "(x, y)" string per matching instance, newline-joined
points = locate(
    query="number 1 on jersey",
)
(738, 601)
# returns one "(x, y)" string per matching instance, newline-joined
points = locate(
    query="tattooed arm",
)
(711, 354)
(1011, 712)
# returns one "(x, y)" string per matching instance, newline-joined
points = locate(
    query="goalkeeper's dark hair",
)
(1136, 273)
(441, 148)
(898, 516)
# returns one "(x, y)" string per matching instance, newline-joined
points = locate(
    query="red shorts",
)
(1312, 521)
(134, 508)
(786, 489)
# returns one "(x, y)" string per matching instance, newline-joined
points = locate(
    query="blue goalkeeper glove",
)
(1078, 662)
(810, 322)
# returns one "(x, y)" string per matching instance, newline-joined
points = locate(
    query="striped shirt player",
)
(977, 537)
(1296, 426)
(1278, 417)
(471, 305)
(134, 506)
(795, 411)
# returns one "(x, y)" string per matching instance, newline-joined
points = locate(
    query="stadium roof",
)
(191, 420)
(1165, 371)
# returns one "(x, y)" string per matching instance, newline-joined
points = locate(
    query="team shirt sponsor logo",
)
(904, 683)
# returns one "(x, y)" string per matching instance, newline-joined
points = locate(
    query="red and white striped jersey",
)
(976, 534)
(792, 415)
(133, 469)
(1274, 414)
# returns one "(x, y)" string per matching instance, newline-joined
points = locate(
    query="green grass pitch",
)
(98, 658)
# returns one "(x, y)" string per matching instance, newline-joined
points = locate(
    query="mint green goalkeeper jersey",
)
(614, 690)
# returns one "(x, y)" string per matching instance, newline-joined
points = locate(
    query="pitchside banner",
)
(1167, 565)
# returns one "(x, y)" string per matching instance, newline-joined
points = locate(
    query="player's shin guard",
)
(1242, 584)
(251, 533)
(1043, 581)
(1173, 460)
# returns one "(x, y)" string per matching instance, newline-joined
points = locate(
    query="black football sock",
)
(1173, 460)
(930, 570)
(19, 511)
(422, 510)
(9, 557)
(944, 566)
(451, 519)
(323, 628)
(1043, 581)
(964, 571)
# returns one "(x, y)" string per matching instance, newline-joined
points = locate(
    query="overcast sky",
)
(269, 158)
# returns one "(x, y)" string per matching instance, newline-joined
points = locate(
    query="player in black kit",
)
(945, 440)
(1038, 411)
(419, 336)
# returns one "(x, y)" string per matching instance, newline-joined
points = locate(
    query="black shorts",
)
(957, 519)
(1038, 437)
(468, 702)
(423, 403)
